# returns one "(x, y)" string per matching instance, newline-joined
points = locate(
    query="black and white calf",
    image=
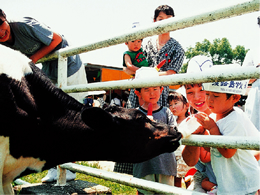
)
(41, 126)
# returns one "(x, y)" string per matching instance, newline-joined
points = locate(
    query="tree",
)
(239, 53)
(199, 49)
(220, 52)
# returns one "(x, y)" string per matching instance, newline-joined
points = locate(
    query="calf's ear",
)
(97, 118)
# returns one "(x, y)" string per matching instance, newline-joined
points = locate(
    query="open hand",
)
(208, 123)
(205, 120)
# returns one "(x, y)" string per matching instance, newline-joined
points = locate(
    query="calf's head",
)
(127, 135)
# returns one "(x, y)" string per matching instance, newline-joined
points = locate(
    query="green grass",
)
(115, 187)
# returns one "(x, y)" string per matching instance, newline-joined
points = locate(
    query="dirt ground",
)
(72, 187)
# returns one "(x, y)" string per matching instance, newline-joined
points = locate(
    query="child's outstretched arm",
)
(46, 49)
(191, 154)
(168, 72)
(204, 155)
(131, 69)
(209, 123)
(205, 152)
(127, 71)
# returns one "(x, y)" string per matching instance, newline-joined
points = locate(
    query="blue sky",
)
(86, 21)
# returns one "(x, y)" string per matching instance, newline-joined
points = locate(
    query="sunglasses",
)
(1, 21)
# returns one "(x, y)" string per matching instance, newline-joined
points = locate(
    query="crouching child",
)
(236, 170)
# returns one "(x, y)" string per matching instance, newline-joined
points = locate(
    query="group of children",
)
(222, 171)
(218, 170)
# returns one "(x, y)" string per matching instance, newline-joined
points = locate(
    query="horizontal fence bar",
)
(176, 79)
(219, 141)
(157, 28)
(231, 142)
(127, 180)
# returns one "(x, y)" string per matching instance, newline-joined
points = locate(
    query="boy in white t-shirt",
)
(236, 170)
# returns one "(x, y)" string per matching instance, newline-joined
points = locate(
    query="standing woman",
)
(36, 40)
(158, 48)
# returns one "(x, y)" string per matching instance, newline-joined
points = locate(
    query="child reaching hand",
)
(134, 58)
(204, 179)
(236, 170)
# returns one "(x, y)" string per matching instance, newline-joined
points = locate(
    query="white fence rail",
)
(176, 79)
(249, 143)
(232, 142)
(153, 29)
(129, 181)
(142, 32)
(161, 27)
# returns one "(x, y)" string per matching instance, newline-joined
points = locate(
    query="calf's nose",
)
(172, 131)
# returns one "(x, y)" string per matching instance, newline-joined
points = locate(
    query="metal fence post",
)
(62, 71)
(61, 176)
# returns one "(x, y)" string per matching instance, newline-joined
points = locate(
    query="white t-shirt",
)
(239, 174)
(96, 103)
(116, 102)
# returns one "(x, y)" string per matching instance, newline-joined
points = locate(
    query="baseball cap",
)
(199, 63)
(231, 87)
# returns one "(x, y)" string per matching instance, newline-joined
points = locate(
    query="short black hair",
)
(229, 95)
(139, 89)
(163, 8)
(2, 13)
(173, 95)
(192, 85)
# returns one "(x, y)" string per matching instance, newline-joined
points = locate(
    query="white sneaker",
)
(51, 176)
(70, 175)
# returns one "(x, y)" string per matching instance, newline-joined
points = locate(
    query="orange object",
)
(191, 172)
(160, 65)
(150, 110)
(113, 75)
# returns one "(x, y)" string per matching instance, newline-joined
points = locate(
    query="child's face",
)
(196, 97)
(219, 104)
(134, 45)
(150, 94)
(178, 108)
